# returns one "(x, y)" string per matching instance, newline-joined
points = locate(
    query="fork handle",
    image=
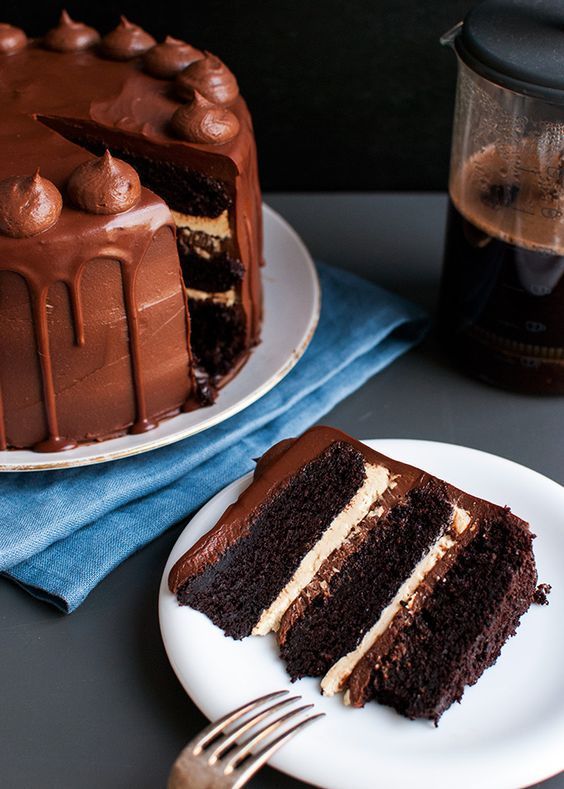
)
(187, 773)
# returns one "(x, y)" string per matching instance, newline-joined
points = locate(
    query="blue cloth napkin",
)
(62, 532)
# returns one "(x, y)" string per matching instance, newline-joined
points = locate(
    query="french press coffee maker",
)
(502, 294)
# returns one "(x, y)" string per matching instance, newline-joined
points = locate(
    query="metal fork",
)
(217, 759)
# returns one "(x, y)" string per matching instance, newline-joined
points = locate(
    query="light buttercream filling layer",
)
(227, 298)
(213, 226)
(338, 674)
(376, 482)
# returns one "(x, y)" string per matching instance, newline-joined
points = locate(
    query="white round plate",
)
(508, 731)
(292, 302)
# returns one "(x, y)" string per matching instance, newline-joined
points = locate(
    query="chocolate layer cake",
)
(384, 580)
(130, 232)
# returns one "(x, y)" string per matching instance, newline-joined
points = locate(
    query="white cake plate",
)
(292, 301)
(508, 730)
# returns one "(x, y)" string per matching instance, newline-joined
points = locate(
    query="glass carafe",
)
(502, 294)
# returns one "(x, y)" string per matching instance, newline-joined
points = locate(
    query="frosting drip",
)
(104, 186)
(70, 36)
(28, 205)
(166, 60)
(12, 39)
(126, 41)
(211, 78)
(202, 121)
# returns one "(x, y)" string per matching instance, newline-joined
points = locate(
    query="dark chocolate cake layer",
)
(215, 273)
(234, 590)
(218, 335)
(332, 614)
(460, 629)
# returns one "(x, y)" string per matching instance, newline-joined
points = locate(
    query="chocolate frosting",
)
(166, 60)
(126, 41)
(211, 78)
(12, 39)
(271, 456)
(29, 204)
(202, 121)
(280, 463)
(104, 186)
(70, 36)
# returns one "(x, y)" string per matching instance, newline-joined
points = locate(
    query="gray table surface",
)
(90, 700)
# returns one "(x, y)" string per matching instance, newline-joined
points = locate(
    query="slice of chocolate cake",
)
(384, 580)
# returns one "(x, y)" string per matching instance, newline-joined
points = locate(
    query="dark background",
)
(346, 95)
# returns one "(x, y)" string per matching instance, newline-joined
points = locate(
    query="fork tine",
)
(245, 773)
(209, 734)
(228, 740)
(246, 747)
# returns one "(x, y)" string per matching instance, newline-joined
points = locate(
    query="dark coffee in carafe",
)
(502, 294)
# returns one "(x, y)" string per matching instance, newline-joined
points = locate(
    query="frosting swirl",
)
(70, 36)
(104, 186)
(204, 122)
(29, 204)
(211, 78)
(12, 39)
(126, 41)
(166, 60)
